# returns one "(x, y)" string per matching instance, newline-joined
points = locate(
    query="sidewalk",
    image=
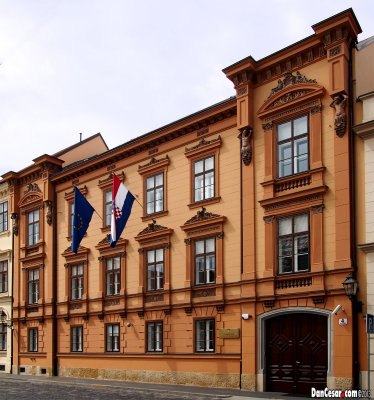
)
(231, 394)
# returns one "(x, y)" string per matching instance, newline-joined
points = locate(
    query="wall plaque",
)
(230, 333)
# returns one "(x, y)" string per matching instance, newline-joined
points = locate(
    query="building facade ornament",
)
(32, 187)
(290, 80)
(203, 142)
(201, 216)
(246, 146)
(48, 215)
(14, 218)
(339, 102)
(268, 219)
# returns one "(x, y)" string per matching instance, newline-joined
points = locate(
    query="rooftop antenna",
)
(80, 137)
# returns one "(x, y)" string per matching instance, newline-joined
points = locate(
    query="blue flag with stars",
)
(82, 217)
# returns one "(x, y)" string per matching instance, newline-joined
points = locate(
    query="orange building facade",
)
(232, 262)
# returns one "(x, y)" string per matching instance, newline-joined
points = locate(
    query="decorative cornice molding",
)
(151, 228)
(202, 143)
(289, 80)
(202, 215)
(153, 161)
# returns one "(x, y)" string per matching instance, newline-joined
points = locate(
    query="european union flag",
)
(82, 217)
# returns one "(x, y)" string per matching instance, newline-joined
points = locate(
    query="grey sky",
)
(124, 68)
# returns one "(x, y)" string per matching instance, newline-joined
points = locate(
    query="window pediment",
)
(291, 91)
(30, 198)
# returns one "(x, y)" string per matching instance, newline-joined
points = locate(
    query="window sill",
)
(105, 228)
(148, 217)
(5, 233)
(206, 202)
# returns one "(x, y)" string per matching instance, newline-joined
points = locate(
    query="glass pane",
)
(301, 163)
(151, 256)
(285, 247)
(199, 193)
(285, 264)
(116, 262)
(159, 179)
(284, 151)
(209, 185)
(210, 266)
(210, 245)
(150, 337)
(301, 223)
(200, 336)
(301, 146)
(300, 126)
(199, 272)
(285, 226)
(285, 168)
(150, 182)
(160, 255)
(209, 163)
(108, 196)
(199, 165)
(199, 246)
(284, 131)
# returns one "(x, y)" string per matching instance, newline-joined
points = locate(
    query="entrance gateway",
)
(296, 352)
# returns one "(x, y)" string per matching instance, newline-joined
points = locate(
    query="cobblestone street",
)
(14, 389)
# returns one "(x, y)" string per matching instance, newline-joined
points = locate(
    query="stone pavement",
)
(22, 387)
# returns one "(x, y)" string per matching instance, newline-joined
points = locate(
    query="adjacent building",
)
(5, 280)
(364, 175)
(232, 261)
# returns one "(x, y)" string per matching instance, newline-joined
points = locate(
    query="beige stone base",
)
(176, 378)
(32, 370)
(249, 382)
(337, 383)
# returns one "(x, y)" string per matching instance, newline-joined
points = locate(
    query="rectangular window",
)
(112, 337)
(33, 286)
(76, 282)
(155, 193)
(113, 276)
(76, 335)
(293, 244)
(33, 227)
(205, 261)
(204, 335)
(3, 336)
(108, 207)
(293, 146)
(3, 276)
(154, 336)
(155, 269)
(4, 216)
(33, 339)
(204, 179)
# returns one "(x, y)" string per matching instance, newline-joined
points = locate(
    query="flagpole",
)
(98, 215)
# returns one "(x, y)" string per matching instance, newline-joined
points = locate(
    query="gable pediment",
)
(290, 92)
(30, 198)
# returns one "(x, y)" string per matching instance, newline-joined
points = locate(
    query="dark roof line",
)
(293, 44)
(59, 153)
(138, 138)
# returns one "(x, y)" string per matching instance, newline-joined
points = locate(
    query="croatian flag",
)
(121, 209)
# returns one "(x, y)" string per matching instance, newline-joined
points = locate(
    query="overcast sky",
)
(124, 68)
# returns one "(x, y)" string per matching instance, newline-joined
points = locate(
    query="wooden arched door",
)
(296, 353)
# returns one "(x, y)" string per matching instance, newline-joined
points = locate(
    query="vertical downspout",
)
(241, 265)
(54, 284)
(11, 311)
(356, 367)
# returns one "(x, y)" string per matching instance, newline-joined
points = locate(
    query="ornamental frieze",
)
(153, 161)
(151, 228)
(201, 215)
(289, 80)
(203, 142)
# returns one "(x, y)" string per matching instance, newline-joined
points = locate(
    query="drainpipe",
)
(54, 284)
(11, 311)
(356, 366)
(241, 263)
